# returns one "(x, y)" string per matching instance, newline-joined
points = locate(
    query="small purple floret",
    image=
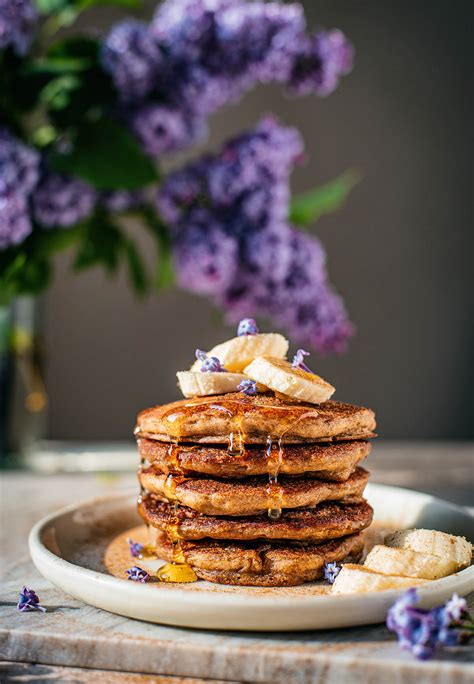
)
(137, 574)
(331, 571)
(298, 361)
(210, 364)
(135, 548)
(247, 326)
(456, 608)
(423, 632)
(28, 600)
(248, 387)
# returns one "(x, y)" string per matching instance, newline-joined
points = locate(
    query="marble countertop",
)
(74, 642)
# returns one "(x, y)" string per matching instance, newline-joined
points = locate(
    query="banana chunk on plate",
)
(280, 376)
(407, 563)
(198, 384)
(456, 549)
(237, 353)
(358, 579)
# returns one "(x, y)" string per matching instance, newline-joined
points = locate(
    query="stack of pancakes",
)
(255, 490)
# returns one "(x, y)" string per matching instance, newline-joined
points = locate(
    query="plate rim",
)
(38, 551)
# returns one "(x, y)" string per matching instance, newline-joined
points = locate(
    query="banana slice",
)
(407, 563)
(357, 579)
(238, 352)
(280, 376)
(197, 384)
(456, 549)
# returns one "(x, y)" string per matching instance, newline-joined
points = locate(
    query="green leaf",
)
(48, 242)
(129, 4)
(57, 65)
(307, 208)
(50, 6)
(165, 276)
(57, 93)
(78, 47)
(34, 277)
(136, 268)
(106, 155)
(101, 245)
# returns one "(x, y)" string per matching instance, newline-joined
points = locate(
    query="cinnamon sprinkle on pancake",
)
(326, 521)
(255, 418)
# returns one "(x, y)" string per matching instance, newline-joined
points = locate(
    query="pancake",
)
(262, 563)
(326, 521)
(236, 419)
(330, 461)
(251, 495)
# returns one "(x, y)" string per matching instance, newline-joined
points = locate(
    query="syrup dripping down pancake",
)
(252, 420)
(251, 495)
(269, 564)
(329, 461)
(326, 521)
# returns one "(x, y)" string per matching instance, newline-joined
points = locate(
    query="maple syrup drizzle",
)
(177, 570)
(173, 463)
(274, 490)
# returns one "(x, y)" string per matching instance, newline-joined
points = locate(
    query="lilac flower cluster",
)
(198, 55)
(209, 364)
(60, 200)
(247, 326)
(137, 574)
(19, 172)
(229, 219)
(248, 387)
(135, 548)
(423, 632)
(331, 571)
(17, 23)
(29, 191)
(28, 600)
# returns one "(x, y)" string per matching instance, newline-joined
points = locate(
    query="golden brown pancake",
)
(326, 521)
(237, 418)
(330, 461)
(251, 495)
(269, 564)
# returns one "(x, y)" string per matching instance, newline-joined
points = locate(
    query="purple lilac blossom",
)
(205, 257)
(137, 574)
(205, 53)
(209, 364)
(331, 571)
(247, 326)
(424, 632)
(135, 548)
(228, 216)
(133, 59)
(298, 361)
(162, 129)
(324, 58)
(19, 164)
(61, 200)
(261, 39)
(17, 23)
(248, 387)
(121, 200)
(456, 608)
(28, 600)
(15, 224)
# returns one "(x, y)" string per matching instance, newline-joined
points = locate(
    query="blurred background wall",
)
(400, 251)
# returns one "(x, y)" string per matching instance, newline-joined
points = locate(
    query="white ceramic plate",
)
(68, 547)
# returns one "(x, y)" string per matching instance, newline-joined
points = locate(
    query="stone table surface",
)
(74, 642)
